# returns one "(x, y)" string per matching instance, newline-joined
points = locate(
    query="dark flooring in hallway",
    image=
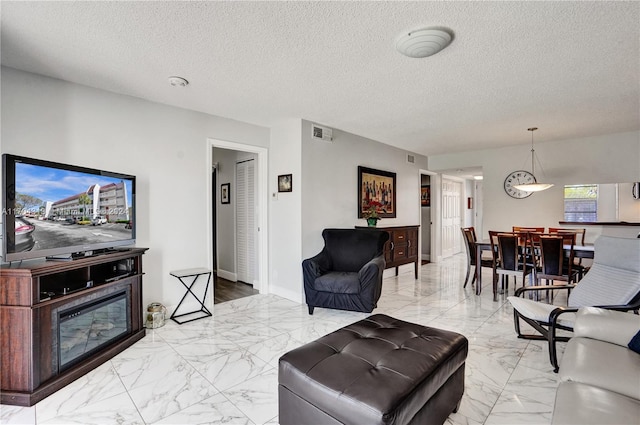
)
(225, 290)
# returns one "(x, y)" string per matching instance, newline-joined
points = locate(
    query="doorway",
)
(238, 195)
(426, 219)
(451, 217)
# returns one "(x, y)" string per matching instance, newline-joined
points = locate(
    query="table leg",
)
(478, 269)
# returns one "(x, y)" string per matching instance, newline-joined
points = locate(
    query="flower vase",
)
(371, 222)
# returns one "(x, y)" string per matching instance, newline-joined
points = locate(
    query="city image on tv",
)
(56, 208)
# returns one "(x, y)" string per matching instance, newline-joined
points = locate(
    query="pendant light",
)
(533, 187)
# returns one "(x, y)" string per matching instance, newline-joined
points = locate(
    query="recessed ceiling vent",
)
(321, 133)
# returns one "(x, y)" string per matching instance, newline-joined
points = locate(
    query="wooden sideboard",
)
(402, 247)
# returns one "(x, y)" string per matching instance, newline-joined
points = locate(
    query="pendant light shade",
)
(533, 187)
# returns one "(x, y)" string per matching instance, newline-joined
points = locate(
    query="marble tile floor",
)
(223, 369)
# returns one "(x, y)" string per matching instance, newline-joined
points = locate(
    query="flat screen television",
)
(59, 210)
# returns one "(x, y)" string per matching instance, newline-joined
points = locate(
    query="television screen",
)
(53, 209)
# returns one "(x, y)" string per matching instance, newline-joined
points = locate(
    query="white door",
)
(451, 195)
(478, 207)
(245, 221)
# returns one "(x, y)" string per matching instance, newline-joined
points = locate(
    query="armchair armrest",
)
(316, 266)
(370, 272)
(606, 325)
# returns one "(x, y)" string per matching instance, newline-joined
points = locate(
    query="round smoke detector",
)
(423, 42)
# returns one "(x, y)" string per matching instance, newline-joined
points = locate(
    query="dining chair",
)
(580, 235)
(552, 264)
(469, 236)
(527, 229)
(579, 232)
(508, 260)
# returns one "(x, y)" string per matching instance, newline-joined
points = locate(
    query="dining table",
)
(579, 251)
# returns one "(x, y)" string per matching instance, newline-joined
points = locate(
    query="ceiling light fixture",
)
(423, 42)
(535, 186)
(178, 82)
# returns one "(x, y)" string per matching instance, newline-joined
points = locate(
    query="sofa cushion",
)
(601, 364)
(611, 326)
(582, 404)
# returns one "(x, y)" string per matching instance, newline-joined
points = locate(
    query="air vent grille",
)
(321, 133)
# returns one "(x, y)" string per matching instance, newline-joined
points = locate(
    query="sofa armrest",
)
(606, 325)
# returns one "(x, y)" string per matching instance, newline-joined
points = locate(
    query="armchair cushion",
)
(338, 282)
(540, 311)
(621, 286)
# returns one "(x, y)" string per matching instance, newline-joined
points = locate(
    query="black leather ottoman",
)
(379, 370)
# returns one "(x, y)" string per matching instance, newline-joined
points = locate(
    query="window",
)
(581, 202)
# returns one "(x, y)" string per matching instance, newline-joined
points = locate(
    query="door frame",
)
(262, 198)
(462, 195)
(436, 248)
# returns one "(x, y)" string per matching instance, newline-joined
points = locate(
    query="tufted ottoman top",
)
(375, 371)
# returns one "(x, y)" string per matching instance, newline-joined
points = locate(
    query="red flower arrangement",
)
(372, 210)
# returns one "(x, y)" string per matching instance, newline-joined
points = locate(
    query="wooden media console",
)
(60, 320)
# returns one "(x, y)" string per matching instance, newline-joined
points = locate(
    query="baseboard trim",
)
(233, 277)
(287, 293)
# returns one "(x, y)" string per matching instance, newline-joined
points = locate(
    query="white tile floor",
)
(223, 369)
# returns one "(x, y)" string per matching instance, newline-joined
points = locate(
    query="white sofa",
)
(599, 374)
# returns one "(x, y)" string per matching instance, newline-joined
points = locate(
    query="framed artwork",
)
(378, 188)
(225, 193)
(285, 183)
(425, 195)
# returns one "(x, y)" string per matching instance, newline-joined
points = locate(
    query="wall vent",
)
(321, 133)
(411, 159)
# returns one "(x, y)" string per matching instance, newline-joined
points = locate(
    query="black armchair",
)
(347, 273)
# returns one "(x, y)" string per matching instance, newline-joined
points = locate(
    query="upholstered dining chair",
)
(469, 238)
(549, 255)
(580, 235)
(527, 229)
(347, 273)
(612, 283)
(508, 259)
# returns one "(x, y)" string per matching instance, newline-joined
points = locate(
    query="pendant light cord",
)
(533, 152)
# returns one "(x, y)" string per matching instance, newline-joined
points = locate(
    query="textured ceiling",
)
(570, 68)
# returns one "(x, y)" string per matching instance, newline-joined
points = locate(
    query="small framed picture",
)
(425, 196)
(285, 183)
(225, 193)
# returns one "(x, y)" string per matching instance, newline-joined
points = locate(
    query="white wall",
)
(330, 181)
(165, 147)
(285, 213)
(600, 159)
